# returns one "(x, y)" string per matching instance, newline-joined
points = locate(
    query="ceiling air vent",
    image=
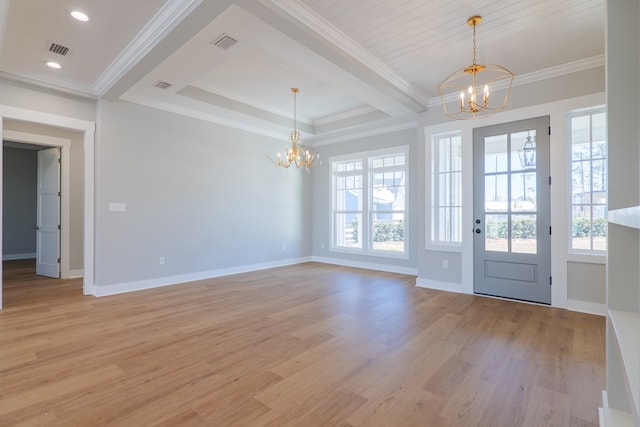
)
(163, 85)
(224, 42)
(59, 49)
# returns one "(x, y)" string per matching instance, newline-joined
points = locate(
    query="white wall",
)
(203, 196)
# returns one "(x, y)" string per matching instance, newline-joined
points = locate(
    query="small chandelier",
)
(296, 155)
(473, 84)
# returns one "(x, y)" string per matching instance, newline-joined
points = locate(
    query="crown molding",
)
(56, 87)
(363, 134)
(343, 115)
(309, 18)
(167, 18)
(197, 114)
(536, 76)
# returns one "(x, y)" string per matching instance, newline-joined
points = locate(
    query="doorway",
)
(512, 218)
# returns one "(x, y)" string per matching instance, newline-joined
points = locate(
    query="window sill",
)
(371, 253)
(599, 258)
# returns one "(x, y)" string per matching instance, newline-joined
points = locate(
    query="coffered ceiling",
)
(359, 64)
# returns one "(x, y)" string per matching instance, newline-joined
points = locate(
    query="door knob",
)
(478, 231)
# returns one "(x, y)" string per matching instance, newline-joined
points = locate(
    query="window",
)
(588, 132)
(369, 204)
(446, 189)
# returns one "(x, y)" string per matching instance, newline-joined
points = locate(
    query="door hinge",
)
(549, 130)
(550, 280)
(549, 179)
(549, 229)
(59, 194)
(59, 227)
(59, 161)
(58, 260)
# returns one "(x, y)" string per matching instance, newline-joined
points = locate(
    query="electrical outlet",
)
(445, 263)
(161, 260)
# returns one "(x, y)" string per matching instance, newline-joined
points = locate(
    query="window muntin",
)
(369, 202)
(588, 133)
(446, 189)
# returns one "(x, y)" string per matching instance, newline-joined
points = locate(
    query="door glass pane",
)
(523, 192)
(524, 234)
(496, 193)
(495, 231)
(495, 154)
(523, 150)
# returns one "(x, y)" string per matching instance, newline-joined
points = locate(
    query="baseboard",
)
(12, 257)
(587, 307)
(367, 265)
(121, 288)
(439, 285)
(76, 274)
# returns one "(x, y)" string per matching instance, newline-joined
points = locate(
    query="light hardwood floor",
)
(307, 345)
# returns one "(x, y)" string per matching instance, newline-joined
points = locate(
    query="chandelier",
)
(295, 155)
(473, 84)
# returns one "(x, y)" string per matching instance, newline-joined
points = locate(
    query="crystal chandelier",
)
(295, 155)
(473, 84)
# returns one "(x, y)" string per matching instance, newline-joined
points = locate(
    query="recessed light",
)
(53, 64)
(80, 16)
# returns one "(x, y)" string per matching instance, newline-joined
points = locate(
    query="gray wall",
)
(322, 195)
(19, 200)
(429, 262)
(203, 196)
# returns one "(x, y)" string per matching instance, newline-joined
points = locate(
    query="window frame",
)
(577, 254)
(433, 239)
(368, 211)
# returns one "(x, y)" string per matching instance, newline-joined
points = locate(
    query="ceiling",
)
(360, 64)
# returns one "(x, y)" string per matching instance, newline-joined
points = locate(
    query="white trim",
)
(411, 271)
(65, 187)
(362, 134)
(119, 288)
(76, 274)
(167, 18)
(4, 14)
(200, 115)
(344, 115)
(312, 20)
(587, 258)
(587, 307)
(13, 257)
(88, 129)
(441, 286)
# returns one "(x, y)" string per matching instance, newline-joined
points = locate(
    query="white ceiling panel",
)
(359, 64)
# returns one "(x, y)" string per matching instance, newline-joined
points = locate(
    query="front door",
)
(512, 221)
(48, 216)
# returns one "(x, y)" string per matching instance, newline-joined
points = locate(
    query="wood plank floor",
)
(307, 345)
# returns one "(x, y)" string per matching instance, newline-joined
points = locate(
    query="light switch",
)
(117, 207)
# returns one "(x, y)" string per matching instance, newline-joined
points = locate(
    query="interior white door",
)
(48, 217)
